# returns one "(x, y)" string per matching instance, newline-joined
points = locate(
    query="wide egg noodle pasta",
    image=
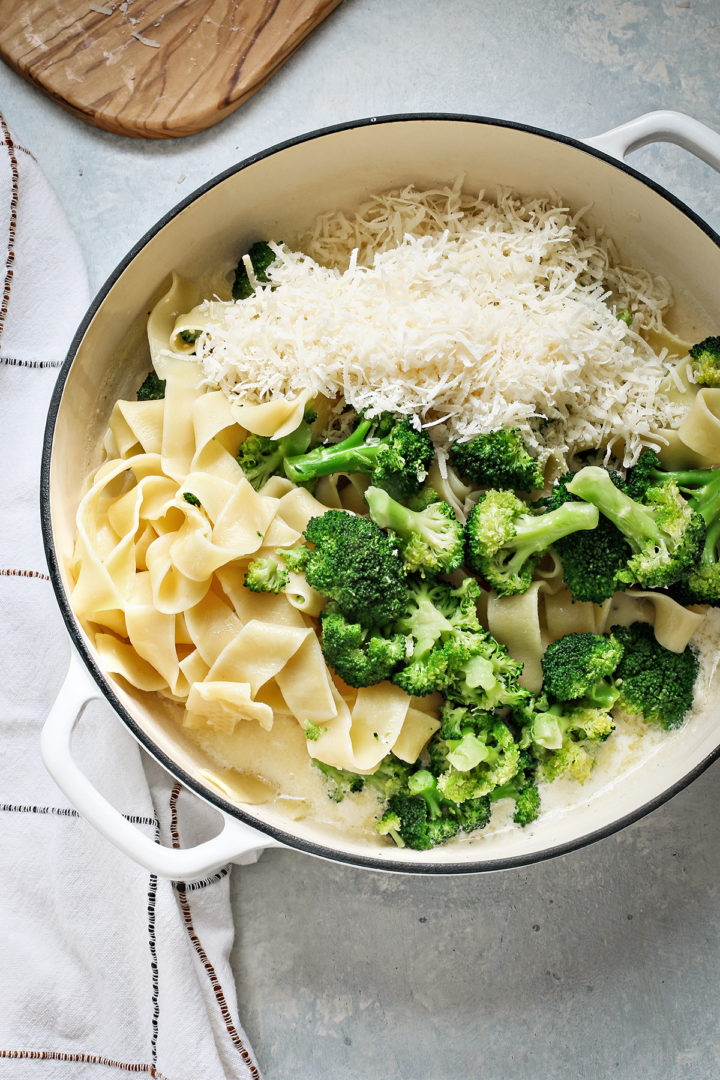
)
(517, 622)
(274, 419)
(673, 624)
(700, 430)
(362, 733)
(164, 345)
(164, 537)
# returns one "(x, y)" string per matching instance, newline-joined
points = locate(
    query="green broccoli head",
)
(358, 656)
(481, 674)
(261, 256)
(420, 817)
(482, 760)
(665, 533)
(340, 782)
(591, 559)
(701, 582)
(655, 683)
(497, 460)
(152, 388)
(295, 558)
(563, 736)
(390, 777)
(505, 541)
(574, 665)
(260, 457)
(409, 823)
(266, 575)
(388, 449)
(354, 563)
(522, 789)
(431, 541)
(438, 619)
(644, 474)
(705, 357)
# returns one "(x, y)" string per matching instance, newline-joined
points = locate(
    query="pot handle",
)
(664, 125)
(236, 842)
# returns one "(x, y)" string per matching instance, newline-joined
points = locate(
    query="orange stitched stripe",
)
(197, 945)
(89, 1059)
(25, 573)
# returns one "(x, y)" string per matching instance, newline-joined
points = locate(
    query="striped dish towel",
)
(105, 971)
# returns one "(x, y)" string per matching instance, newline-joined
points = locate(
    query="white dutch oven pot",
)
(276, 194)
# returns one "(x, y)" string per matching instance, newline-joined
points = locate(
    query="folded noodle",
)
(182, 295)
(361, 735)
(674, 625)
(274, 419)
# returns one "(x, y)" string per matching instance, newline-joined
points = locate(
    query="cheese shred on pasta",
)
(460, 311)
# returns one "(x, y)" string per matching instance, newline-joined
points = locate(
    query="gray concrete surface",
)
(603, 963)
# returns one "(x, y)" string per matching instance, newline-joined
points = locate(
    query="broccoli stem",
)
(424, 783)
(390, 514)
(709, 554)
(350, 455)
(533, 534)
(634, 521)
(707, 500)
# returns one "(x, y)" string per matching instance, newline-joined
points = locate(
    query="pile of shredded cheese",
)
(460, 311)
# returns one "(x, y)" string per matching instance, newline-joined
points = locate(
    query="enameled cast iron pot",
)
(277, 193)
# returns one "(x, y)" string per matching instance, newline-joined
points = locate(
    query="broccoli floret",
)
(358, 656)
(354, 563)
(431, 541)
(390, 777)
(260, 457)
(152, 389)
(482, 760)
(505, 541)
(261, 256)
(564, 736)
(436, 619)
(552, 724)
(312, 731)
(190, 336)
(481, 673)
(472, 814)
(473, 753)
(701, 584)
(498, 460)
(664, 532)
(295, 558)
(523, 789)
(705, 358)
(420, 817)
(579, 665)
(407, 820)
(591, 560)
(340, 782)
(266, 575)
(654, 683)
(397, 459)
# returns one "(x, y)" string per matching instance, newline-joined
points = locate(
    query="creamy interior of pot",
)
(278, 197)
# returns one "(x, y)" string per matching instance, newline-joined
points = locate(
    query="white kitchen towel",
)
(105, 970)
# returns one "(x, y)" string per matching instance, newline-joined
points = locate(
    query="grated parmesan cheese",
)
(465, 313)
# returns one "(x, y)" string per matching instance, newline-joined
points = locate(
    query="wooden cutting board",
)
(153, 68)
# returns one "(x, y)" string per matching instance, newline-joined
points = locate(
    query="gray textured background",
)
(603, 963)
